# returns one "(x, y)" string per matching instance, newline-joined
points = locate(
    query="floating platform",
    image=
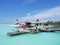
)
(32, 32)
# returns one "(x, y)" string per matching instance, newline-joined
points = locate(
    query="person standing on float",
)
(17, 22)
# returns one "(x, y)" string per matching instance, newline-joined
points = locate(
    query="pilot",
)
(17, 22)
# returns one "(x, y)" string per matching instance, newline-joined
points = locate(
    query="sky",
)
(29, 10)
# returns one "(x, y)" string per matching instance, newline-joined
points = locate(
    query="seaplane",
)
(25, 26)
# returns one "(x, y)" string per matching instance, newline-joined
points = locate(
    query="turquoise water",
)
(42, 38)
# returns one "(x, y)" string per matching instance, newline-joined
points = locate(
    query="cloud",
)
(48, 14)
